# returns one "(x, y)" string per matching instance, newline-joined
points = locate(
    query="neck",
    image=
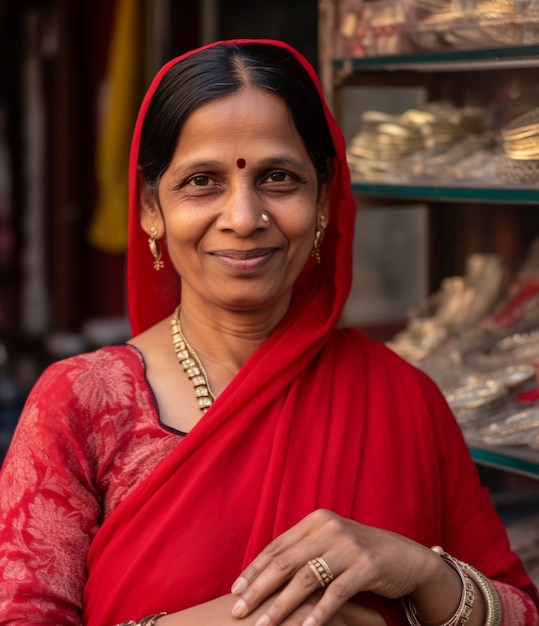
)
(225, 339)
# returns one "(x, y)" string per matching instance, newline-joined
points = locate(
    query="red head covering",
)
(153, 295)
(232, 482)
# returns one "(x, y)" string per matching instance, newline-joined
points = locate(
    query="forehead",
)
(243, 120)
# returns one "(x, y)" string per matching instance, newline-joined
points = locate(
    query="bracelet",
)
(465, 606)
(149, 620)
(490, 595)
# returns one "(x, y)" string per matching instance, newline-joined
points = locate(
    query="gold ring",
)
(321, 570)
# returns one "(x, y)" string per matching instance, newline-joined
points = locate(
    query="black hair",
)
(222, 70)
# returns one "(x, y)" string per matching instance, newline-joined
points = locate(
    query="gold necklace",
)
(191, 364)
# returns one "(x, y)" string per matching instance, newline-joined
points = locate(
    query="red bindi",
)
(241, 163)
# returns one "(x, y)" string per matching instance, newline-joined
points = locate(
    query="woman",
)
(241, 461)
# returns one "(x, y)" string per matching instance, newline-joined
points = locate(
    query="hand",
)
(361, 558)
(350, 614)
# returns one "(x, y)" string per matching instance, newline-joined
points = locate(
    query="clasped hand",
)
(360, 557)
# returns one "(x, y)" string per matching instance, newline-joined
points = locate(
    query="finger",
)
(336, 598)
(274, 550)
(260, 563)
(313, 581)
(272, 569)
(294, 539)
(350, 613)
(302, 586)
(285, 567)
(355, 614)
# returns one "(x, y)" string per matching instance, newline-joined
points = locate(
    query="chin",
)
(251, 303)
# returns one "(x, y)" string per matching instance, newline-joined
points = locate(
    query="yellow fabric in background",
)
(108, 230)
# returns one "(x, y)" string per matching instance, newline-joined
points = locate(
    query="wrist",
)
(149, 620)
(478, 604)
(446, 597)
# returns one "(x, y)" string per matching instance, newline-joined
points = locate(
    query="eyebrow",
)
(196, 165)
(278, 160)
(283, 159)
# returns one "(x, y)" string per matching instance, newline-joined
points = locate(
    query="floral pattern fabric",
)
(517, 608)
(88, 435)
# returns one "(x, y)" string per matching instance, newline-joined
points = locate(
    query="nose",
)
(242, 210)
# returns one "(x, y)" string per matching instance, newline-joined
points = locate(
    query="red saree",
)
(316, 418)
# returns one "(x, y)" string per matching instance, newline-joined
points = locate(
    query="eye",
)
(278, 177)
(200, 185)
(281, 182)
(200, 180)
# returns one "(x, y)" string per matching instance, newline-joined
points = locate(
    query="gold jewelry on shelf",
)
(149, 620)
(321, 570)
(521, 147)
(526, 144)
(520, 132)
(521, 153)
(155, 249)
(192, 366)
(522, 127)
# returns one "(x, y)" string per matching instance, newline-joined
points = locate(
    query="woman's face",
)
(238, 157)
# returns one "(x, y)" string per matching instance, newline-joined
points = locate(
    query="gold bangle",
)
(489, 594)
(465, 607)
(149, 620)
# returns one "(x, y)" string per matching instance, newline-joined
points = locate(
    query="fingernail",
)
(240, 585)
(239, 609)
(264, 620)
(309, 621)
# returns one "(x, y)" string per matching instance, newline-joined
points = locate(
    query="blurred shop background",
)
(72, 77)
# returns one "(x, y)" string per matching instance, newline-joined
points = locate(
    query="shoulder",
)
(385, 374)
(104, 362)
(356, 345)
(85, 378)
(106, 356)
(93, 398)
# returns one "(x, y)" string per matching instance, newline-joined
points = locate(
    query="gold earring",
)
(155, 249)
(318, 238)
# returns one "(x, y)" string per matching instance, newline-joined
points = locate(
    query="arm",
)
(48, 511)
(370, 559)
(361, 558)
(219, 613)
(364, 559)
(515, 604)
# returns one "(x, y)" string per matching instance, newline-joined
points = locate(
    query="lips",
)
(244, 254)
(245, 260)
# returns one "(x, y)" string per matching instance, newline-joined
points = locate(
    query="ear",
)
(150, 211)
(322, 204)
(324, 193)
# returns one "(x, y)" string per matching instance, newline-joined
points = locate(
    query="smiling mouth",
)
(245, 259)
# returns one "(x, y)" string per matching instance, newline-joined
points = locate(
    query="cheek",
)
(183, 236)
(302, 225)
(300, 239)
